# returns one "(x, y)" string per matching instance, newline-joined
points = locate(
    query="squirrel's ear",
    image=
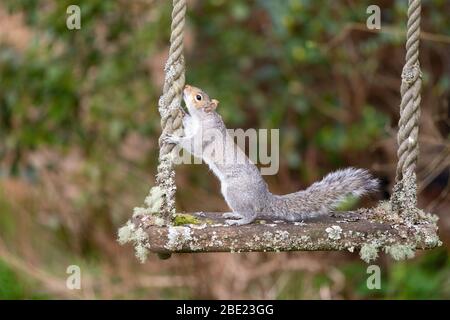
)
(214, 103)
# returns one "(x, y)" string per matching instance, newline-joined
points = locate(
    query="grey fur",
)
(242, 185)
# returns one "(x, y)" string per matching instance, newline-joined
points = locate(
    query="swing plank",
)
(337, 231)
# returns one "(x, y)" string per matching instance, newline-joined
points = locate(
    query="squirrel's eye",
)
(198, 97)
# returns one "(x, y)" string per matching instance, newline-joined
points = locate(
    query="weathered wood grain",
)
(342, 231)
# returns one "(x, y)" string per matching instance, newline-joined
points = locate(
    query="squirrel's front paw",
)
(238, 222)
(232, 215)
(234, 218)
(234, 222)
(171, 138)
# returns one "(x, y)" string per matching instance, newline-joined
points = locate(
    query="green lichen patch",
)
(181, 219)
(153, 203)
(129, 233)
(400, 251)
(141, 252)
(125, 233)
(368, 252)
(155, 199)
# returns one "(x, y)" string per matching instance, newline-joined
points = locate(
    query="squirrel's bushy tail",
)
(325, 195)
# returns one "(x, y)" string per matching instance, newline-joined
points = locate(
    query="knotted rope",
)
(169, 109)
(405, 191)
(404, 198)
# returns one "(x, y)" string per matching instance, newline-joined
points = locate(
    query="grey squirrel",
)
(242, 185)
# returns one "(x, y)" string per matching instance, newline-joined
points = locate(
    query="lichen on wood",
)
(368, 230)
(368, 252)
(181, 219)
(400, 251)
(132, 233)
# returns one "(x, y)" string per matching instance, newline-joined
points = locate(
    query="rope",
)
(405, 191)
(169, 109)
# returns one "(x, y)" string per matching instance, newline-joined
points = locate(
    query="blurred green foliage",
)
(13, 286)
(10, 286)
(425, 278)
(91, 87)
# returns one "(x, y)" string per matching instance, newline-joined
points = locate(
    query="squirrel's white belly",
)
(191, 126)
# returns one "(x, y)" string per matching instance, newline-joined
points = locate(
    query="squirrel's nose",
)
(187, 88)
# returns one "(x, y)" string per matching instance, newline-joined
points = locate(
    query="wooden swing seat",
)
(337, 231)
